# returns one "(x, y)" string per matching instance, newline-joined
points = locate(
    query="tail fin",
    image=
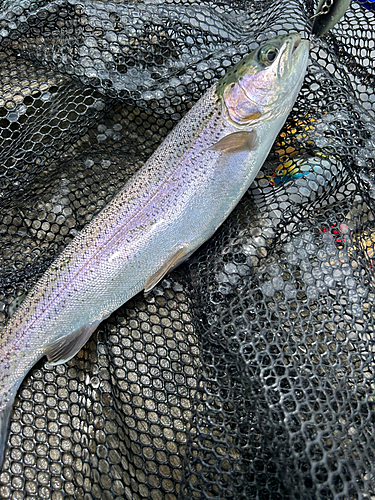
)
(5, 414)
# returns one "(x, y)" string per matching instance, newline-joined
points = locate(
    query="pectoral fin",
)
(236, 142)
(175, 259)
(65, 348)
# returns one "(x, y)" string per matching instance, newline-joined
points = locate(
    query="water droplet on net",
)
(290, 291)
(312, 292)
(268, 289)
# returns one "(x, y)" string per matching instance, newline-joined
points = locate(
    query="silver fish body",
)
(163, 214)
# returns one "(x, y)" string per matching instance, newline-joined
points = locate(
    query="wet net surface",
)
(248, 372)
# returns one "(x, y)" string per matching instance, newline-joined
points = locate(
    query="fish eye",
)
(267, 55)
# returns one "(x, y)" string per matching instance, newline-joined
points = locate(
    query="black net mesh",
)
(248, 372)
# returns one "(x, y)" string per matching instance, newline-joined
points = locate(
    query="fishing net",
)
(248, 372)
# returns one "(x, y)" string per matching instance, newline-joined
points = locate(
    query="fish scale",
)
(172, 205)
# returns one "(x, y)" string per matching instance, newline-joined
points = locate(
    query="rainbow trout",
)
(163, 214)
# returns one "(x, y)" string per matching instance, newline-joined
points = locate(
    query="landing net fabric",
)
(248, 373)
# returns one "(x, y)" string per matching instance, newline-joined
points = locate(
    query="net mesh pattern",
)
(248, 372)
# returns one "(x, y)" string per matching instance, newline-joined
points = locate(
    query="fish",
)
(167, 210)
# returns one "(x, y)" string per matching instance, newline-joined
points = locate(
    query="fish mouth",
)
(295, 43)
(298, 49)
(294, 53)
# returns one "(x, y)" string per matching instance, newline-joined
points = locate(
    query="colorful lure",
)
(295, 169)
(287, 172)
(291, 168)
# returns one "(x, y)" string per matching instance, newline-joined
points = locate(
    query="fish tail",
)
(5, 414)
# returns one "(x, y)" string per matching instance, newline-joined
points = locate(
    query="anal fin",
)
(67, 347)
(172, 261)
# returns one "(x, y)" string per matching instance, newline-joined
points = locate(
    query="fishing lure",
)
(329, 13)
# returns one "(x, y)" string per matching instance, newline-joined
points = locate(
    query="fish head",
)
(265, 84)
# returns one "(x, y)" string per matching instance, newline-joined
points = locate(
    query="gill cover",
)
(253, 85)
